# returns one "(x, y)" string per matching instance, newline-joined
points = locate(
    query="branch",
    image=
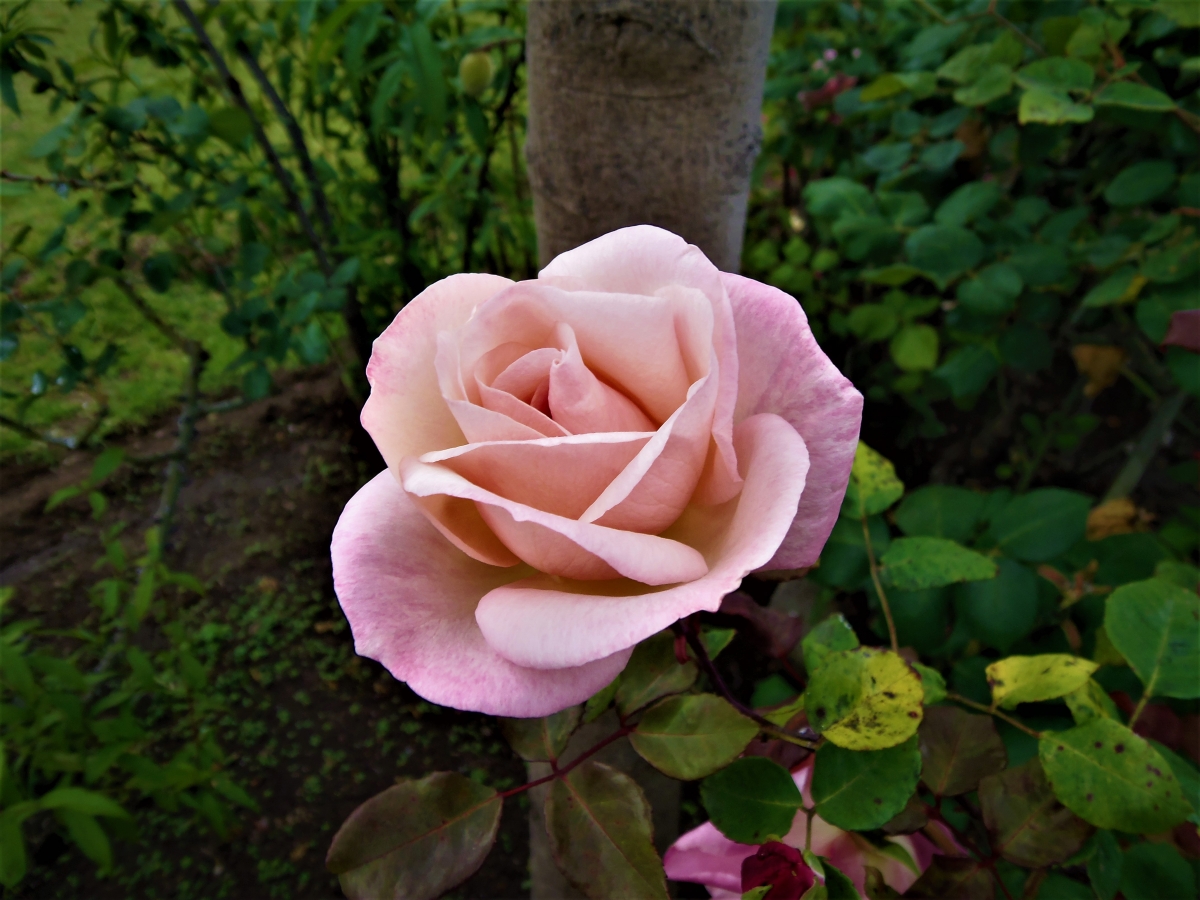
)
(78, 183)
(883, 600)
(560, 772)
(806, 738)
(959, 698)
(165, 328)
(234, 87)
(1147, 446)
(26, 432)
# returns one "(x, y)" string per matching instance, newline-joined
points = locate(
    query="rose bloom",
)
(577, 461)
(707, 857)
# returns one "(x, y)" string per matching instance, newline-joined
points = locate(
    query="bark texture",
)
(645, 111)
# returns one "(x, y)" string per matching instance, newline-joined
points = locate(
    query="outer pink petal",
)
(543, 540)
(410, 598)
(783, 371)
(707, 857)
(533, 623)
(405, 413)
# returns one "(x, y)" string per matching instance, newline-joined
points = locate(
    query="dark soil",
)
(312, 729)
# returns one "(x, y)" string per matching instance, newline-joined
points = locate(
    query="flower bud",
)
(475, 72)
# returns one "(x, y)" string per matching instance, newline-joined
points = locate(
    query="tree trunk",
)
(645, 111)
(640, 111)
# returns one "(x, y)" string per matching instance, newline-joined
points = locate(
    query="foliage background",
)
(989, 246)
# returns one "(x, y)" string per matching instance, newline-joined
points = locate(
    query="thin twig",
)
(959, 698)
(883, 600)
(26, 432)
(1148, 444)
(805, 739)
(561, 771)
(234, 88)
(78, 183)
(165, 328)
(1024, 38)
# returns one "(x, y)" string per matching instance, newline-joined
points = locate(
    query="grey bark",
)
(645, 111)
(640, 112)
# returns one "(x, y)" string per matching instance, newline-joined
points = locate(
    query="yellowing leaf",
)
(865, 699)
(1028, 679)
(1102, 365)
(873, 484)
(1090, 702)
(1120, 516)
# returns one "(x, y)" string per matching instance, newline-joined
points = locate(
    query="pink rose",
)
(576, 462)
(707, 857)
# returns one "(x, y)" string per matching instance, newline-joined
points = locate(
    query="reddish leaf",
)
(416, 840)
(777, 630)
(1184, 330)
(958, 749)
(1030, 826)
(962, 879)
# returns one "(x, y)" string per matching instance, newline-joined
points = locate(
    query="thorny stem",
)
(805, 739)
(883, 600)
(560, 771)
(959, 698)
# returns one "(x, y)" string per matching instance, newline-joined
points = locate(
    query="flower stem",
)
(883, 600)
(959, 698)
(562, 771)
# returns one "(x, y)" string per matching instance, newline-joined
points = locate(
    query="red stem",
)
(561, 771)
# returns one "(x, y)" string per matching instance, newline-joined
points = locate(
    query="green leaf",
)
(12, 848)
(915, 563)
(858, 790)
(873, 483)
(948, 876)
(1116, 288)
(1029, 679)
(941, 156)
(993, 292)
(1155, 625)
(939, 510)
(541, 739)
(1140, 183)
(993, 83)
(88, 836)
(1107, 775)
(1104, 867)
(600, 701)
(431, 82)
(1132, 95)
(943, 251)
(887, 85)
(1057, 73)
(1089, 702)
(830, 636)
(1001, 611)
(232, 125)
(752, 800)
(968, 370)
(1188, 775)
(1042, 524)
(1040, 265)
(968, 203)
(416, 839)
(1028, 824)
(865, 699)
(691, 736)
(598, 822)
(830, 198)
(1051, 108)
(840, 887)
(966, 65)
(932, 683)
(915, 348)
(653, 672)
(1155, 872)
(81, 800)
(9, 96)
(958, 749)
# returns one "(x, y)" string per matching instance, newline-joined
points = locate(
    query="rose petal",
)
(705, 856)
(632, 346)
(410, 598)
(534, 622)
(581, 402)
(405, 414)
(783, 371)
(560, 475)
(557, 545)
(657, 484)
